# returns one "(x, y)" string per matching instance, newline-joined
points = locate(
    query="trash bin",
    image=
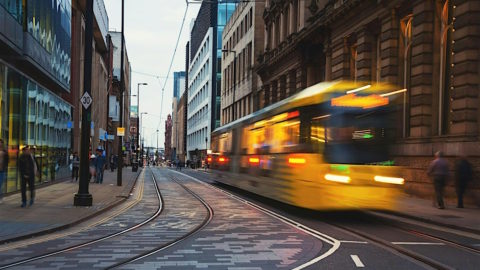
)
(134, 166)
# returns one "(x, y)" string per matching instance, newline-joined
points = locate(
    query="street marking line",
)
(357, 261)
(418, 243)
(353, 242)
(323, 237)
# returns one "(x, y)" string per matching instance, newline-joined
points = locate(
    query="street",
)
(184, 220)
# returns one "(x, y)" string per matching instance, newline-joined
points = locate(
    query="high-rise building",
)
(204, 75)
(35, 99)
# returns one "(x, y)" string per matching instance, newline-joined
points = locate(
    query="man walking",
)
(464, 174)
(439, 171)
(100, 165)
(75, 166)
(27, 175)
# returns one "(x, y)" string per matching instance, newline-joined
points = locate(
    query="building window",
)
(353, 61)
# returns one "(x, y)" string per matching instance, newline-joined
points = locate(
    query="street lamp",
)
(138, 136)
(138, 111)
(234, 80)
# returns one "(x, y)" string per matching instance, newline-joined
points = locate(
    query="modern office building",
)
(242, 42)
(35, 101)
(204, 75)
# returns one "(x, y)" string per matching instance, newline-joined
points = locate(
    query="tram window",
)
(285, 136)
(253, 140)
(358, 138)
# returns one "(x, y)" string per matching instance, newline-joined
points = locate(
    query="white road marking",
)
(418, 243)
(323, 237)
(357, 261)
(353, 242)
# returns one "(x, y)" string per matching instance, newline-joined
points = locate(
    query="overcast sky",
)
(151, 31)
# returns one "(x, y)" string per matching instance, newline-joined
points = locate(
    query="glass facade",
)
(49, 22)
(32, 115)
(225, 10)
(14, 7)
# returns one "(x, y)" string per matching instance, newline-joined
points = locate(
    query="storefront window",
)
(26, 118)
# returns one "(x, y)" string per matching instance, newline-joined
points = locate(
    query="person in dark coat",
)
(439, 171)
(27, 175)
(463, 175)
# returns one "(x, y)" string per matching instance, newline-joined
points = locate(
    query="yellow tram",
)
(324, 148)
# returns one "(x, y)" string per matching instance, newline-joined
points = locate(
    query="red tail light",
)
(222, 159)
(209, 159)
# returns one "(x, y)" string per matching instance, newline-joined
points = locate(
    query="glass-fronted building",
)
(35, 40)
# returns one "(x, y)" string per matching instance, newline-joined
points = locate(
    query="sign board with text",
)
(120, 131)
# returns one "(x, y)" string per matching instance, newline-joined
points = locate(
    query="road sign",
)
(86, 100)
(120, 131)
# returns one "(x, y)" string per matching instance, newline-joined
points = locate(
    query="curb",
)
(76, 222)
(426, 220)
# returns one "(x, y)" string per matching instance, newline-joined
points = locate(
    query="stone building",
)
(168, 138)
(242, 42)
(101, 58)
(429, 47)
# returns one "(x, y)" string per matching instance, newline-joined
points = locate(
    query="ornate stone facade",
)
(429, 47)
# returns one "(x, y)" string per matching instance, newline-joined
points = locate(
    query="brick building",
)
(242, 42)
(429, 47)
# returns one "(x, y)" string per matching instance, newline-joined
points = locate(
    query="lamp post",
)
(234, 80)
(138, 130)
(122, 88)
(156, 152)
(138, 111)
(206, 153)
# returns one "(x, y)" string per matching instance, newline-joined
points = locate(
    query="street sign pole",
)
(82, 197)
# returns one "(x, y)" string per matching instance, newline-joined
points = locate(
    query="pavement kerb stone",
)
(52, 229)
(430, 221)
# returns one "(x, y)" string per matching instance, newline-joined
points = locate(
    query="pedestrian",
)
(75, 166)
(112, 163)
(438, 170)
(100, 165)
(3, 167)
(463, 175)
(27, 175)
(91, 167)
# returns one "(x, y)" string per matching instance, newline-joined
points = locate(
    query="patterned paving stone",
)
(239, 237)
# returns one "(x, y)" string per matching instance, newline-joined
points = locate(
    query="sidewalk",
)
(466, 219)
(53, 208)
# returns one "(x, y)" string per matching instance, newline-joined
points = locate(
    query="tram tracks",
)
(94, 241)
(195, 230)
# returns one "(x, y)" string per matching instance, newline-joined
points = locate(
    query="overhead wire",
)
(171, 62)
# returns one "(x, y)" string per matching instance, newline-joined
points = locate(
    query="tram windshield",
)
(354, 137)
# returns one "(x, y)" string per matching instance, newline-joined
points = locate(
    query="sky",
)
(151, 30)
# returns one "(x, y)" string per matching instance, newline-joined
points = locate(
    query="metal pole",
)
(83, 197)
(138, 119)
(122, 86)
(234, 83)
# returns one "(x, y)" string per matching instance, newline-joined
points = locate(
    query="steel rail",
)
(195, 230)
(74, 247)
(335, 244)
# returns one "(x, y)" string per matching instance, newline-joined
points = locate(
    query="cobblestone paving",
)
(103, 254)
(239, 237)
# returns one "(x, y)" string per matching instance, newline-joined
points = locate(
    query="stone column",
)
(340, 59)
(465, 75)
(421, 105)
(364, 54)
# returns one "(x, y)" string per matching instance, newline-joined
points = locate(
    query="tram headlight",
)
(337, 178)
(389, 180)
